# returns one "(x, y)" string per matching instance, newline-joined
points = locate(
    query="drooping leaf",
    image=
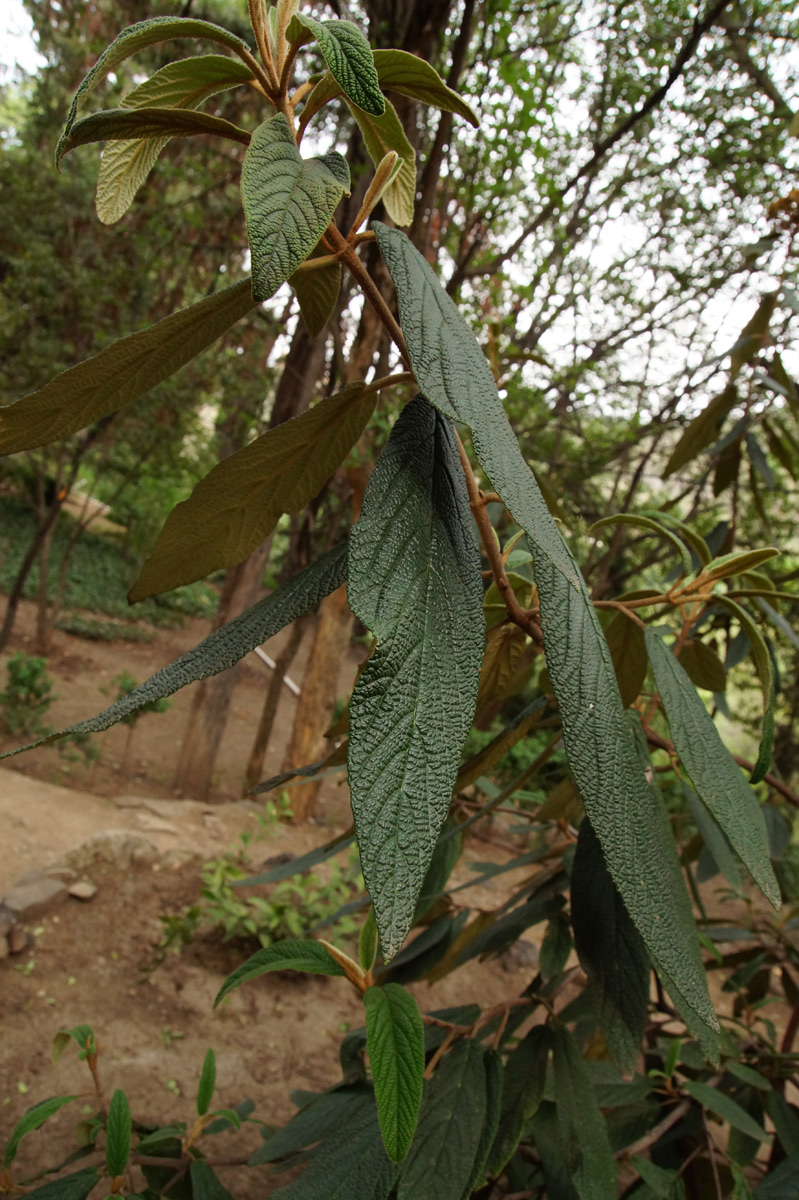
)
(380, 135)
(765, 674)
(412, 565)
(138, 37)
(326, 1116)
(738, 563)
(714, 838)
(125, 124)
(308, 956)
(288, 201)
(395, 1039)
(494, 1076)
(724, 1106)
(34, 1118)
(240, 501)
(401, 72)
(224, 647)
(703, 666)
(651, 526)
(688, 535)
(442, 1157)
(70, 1187)
(336, 758)
(297, 866)
(662, 1183)
(582, 1125)
(317, 292)
(781, 1183)
(549, 1143)
(117, 1133)
(703, 430)
(352, 1166)
(627, 647)
(205, 1090)
(522, 1090)
(121, 373)
(754, 334)
(714, 773)
(183, 84)
(496, 749)
(367, 941)
(778, 620)
(555, 947)
(504, 652)
(348, 56)
(611, 952)
(205, 1184)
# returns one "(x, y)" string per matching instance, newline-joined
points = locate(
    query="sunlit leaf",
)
(395, 1039)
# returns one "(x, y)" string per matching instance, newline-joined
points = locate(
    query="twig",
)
(662, 743)
(656, 1132)
(347, 255)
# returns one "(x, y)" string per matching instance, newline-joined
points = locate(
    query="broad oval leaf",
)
(138, 37)
(121, 373)
(625, 639)
(380, 135)
(349, 57)
(33, 1119)
(121, 124)
(117, 1134)
(714, 773)
(308, 956)
(703, 666)
(414, 580)
(411, 76)
(395, 1040)
(582, 1126)
(183, 84)
(205, 1089)
(317, 292)
(239, 502)
(289, 202)
(223, 648)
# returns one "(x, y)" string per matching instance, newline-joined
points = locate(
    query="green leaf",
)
(550, 1145)
(304, 862)
(445, 855)
(207, 1084)
(326, 1116)
(703, 666)
(443, 1155)
(380, 135)
(412, 564)
(367, 941)
(224, 647)
(317, 292)
(697, 543)
(184, 84)
(117, 1132)
(238, 504)
(307, 956)
(289, 202)
(494, 1081)
(765, 674)
(781, 1183)
(33, 1119)
(627, 646)
(395, 1040)
(754, 334)
(350, 1166)
(724, 1106)
(738, 563)
(611, 952)
(124, 124)
(204, 1183)
(714, 838)
(401, 72)
(138, 37)
(349, 57)
(522, 1090)
(646, 523)
(660, 1181)
(714, 773)
(582, 1125)
(71, 1187)
(121, 373)
(703, 430)
(555, 947)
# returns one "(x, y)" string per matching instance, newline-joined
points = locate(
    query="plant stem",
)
(349, 258)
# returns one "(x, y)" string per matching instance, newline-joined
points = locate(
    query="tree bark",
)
(255, 765)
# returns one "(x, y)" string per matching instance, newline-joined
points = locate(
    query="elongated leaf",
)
(738, 563)
(754, 334)
(627, 647)
(117, 1132)
(697, 543)
(778, 620)
(34, 1118)
(337, 757)
(611, 952)
(349, 57)
(205, 1184)
(781, 1183)
(238, 504)
(765, 674)
(549, 1143)
(307, 956)
(443, 1155)
(522, 1090)
(703, 666)
(395, 1039)
(288, 202)
(703, 430)
(367, 942)
(317, 292)
(325, 1117)
(651, 526)
(581, 1123)
(413, 566)
(121, 373)
(401, 72)
(662, 1184)
(352, 1166)
(724, 1106)
(714, 838)
(124, 124)
(205, 1091)
(184, 84)
(380, 135)
(138, 37)
(494, 1072)
(70, 1187)
(714, 773)
(224, 647)
(297, 866)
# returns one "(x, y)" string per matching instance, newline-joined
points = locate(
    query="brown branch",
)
(349, 258)
(656, 1132)
(661, 743)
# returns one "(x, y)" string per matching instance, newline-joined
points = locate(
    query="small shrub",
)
(27, 696)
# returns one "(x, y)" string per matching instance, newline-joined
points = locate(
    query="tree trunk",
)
(12, 604)
(43, 627)
(255, 765)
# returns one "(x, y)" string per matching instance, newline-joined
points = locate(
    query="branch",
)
(661, 743)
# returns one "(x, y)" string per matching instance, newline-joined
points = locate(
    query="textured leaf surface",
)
(715, 840)
(494, 1071)
(308, 956)
(117, 1132)
(611, 952)
(349, 57)
(522, 1090)
(443, 1155)
(454, 374)
(239, 502)
(184, 84)
(414, 580)
(715, 774)
(70, 1187)
(205, 1185)
(205, 1090)
(121, 124)
(317, 292)
(138, 37)
(224, 647)
(395, 1039)
(288, 202)
(401, 72)
(582, 1125)
(118, 375)
(351, 1166)
(724, 1106)
(380, 135)
(33, 1119)
(324, 1117)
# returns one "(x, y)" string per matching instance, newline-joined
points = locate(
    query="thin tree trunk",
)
(12, 604)
(255, 765)
(43, 628)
